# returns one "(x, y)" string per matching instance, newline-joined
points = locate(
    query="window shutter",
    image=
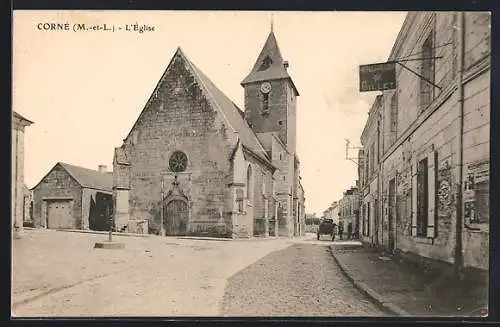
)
(431, 178)
(414, 198)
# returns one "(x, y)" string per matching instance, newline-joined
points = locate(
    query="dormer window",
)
(266, 63)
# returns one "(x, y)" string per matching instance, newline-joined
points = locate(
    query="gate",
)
(176, 218)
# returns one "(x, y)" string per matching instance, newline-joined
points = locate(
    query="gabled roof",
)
(87, 178)
(229, 110)
(233, 115)
(90, 178)
(22, 118)
(266, 138)
(276, 69)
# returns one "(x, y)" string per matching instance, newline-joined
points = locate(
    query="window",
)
(427, 70)
(178, 161)
(394, 112)
(422, 197)
(367, 165)
(372, 158)
(265, 103)
(264, 183)
(476, 206)
(409, 206)
(239, 200)
(266, 63)
(249, 182)
(482, 205)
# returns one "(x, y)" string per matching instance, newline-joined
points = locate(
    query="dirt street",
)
(60, 274)
(151, 277)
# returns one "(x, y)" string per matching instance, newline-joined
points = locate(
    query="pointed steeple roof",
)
(269, 65)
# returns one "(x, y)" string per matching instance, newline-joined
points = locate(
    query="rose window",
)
(178, 161)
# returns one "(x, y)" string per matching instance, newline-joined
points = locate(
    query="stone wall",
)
(17, 176)
(476, 152)
(57, 184)
(277, 119)
(432, 131)
(180, 118)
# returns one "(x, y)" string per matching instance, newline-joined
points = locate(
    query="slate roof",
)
(89, 178)
(276, 69)
(266, 139)
(228, 108)
(19, 116)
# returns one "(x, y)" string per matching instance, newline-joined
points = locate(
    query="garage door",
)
(59, 214)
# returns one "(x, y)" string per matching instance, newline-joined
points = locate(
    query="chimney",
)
(102, 168)
(285, 64)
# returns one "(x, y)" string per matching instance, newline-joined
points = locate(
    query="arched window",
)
(265, 103)
(266, 63)
(249, 182)
(264, 181)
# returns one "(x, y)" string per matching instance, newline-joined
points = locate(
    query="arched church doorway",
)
(176, 217)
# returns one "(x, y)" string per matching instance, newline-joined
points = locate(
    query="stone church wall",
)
(180, 118)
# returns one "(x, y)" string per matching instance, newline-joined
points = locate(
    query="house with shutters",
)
(73, 197)
(424, 180)
(194, 163)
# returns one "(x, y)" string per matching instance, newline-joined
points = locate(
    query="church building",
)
(196, 164)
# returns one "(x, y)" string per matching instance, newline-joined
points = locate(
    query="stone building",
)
(72, 197)
(28, 206)
(301, 213)
(425, 182)
(196, 164)
(349, 211)
(369, 175)
(17, 183)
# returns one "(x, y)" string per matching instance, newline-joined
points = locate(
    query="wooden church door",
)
(176, 218)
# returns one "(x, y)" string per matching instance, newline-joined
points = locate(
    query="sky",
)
(85, 90)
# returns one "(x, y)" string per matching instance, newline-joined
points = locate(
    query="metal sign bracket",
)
(400, 62)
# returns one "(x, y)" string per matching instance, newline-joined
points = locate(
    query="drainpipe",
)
(459, 205)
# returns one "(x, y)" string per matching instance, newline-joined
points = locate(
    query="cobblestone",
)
(302, 280)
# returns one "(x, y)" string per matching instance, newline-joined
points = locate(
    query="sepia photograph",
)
(250, 163)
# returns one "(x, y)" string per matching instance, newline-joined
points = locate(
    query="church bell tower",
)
(270, 95)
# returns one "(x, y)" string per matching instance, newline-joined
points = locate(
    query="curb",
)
(364, 288)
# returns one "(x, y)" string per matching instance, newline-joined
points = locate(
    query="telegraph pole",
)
(347, 147)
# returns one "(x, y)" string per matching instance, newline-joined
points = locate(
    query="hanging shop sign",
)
(377, 77)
